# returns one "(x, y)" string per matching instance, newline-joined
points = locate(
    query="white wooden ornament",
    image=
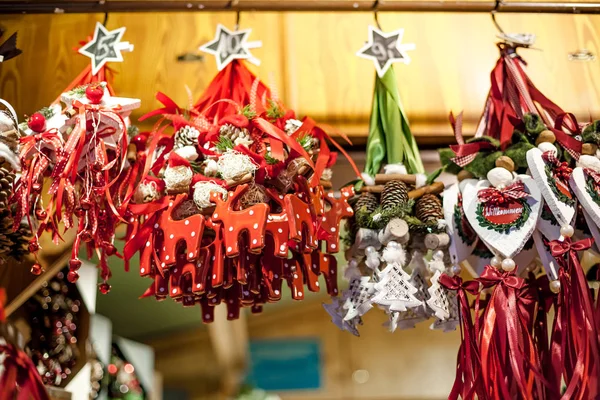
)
(458, 249)
(508, 245)
(593, 228)
(546, 258)
(563, 212)
(395, 290)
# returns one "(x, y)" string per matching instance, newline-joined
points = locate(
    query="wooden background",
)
(310, 59)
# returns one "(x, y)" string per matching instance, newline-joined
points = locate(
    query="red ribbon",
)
(575, 336)
(468, 381)
(560, 169)
(495, 196)
(20, 379)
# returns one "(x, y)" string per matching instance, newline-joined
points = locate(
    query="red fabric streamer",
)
(575, 336)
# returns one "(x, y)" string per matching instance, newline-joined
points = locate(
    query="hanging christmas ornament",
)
(522, 132)
(247, 212)
(105, 46)
(395, 213)
(75, 160)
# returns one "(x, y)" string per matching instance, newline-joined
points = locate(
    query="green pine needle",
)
(224, 144)
(274, 111)
(79, 91)
(132, 131)
(47, 112)
(305, 141)
(248, 113)
(196, 167)
(270, 159)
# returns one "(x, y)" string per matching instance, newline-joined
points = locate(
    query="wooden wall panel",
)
(310, 59)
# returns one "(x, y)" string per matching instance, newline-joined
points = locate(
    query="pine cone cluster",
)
(6, 186)
(235, 134)
(12, 243)
(367, 202)
(395, 193)
(186, 136)
(429, 208)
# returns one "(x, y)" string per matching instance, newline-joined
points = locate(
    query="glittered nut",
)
(589, 149)
(545, 137)
(506, 163)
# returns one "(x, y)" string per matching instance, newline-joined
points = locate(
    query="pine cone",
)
(367, 202)
(20, 241)
(6, 186)
(395, 193)
(11, 139)
(186, 136)
(429, 208)
(232, 132)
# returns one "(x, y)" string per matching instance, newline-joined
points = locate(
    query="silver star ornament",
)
(228, 46)
(385, 48)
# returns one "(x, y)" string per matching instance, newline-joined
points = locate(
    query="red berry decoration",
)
(36, 269)
(41, 214)
(33, 246)
(74, 264)
(37, 122)
(110, 249)
(104, 288)
(94, 93)
(72, 276)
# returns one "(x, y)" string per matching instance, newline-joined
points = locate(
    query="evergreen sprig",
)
(248, 113)
(47, 112)
(274, 111)
(224, 143)
(305, 141)
(591, 188)
(504, 228)
(270, 159)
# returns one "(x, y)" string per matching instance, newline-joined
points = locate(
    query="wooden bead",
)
(589, 149)
(545, 137)
(506, 163)
(464, 174)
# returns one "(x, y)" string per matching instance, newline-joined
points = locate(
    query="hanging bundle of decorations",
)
(74, 157)
(397, 235)
(234, 203)
(14, 234)
(515, 207)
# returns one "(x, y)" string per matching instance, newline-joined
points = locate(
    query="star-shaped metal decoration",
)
(385, 49)
(228, 46)
(105, 46)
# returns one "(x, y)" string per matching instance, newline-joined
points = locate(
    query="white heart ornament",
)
(557, 194)
(510, 243)
(461, 245)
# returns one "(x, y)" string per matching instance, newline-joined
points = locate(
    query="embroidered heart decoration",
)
(549, 174)
(502, 219)
(462, 236)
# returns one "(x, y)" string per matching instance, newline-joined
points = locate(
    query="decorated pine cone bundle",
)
(13, 243)
(395, 193)
(428, 209)
(186, 136)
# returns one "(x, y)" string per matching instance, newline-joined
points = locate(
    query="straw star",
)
(385, 49)
(105, 46)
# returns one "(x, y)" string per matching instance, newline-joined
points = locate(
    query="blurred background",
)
(291, 350)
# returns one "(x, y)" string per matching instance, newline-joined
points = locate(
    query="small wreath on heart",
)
(558, 187)
(463, 228)
(592, 189)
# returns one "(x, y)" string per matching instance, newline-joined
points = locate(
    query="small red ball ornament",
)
(74, 264)
(94, 93)
(72, 276)
(33, 246)
(37, 122)
(110, 249)
(86, 236)
(104, 288)
(41, 214)
(36, 269)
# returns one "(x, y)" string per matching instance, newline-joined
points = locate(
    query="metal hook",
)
(375, 9)
(233, 4)
(494, 11)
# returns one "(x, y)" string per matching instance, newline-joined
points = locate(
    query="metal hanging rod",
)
(103, 6)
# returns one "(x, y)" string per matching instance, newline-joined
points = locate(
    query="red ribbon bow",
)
(20, 379)
(492, 276)
(497, 196)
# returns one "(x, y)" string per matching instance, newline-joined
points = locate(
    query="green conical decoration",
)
(390, 140)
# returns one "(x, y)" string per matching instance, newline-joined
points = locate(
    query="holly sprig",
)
(592, 190)
(458, 222)
(503, 228)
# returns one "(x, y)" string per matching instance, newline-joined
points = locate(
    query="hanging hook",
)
(233, 4)
(375, 9)
(105, 3)
(494, 11)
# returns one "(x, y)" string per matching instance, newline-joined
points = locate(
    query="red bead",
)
(36, 269)
(72, 276)
(104, 288)
(86, 203)
(110, 249)
(74, 264)
(41, 214)
(33, 246)
(94, 93)
(86, 236)
(37, 122)
(36, 187)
